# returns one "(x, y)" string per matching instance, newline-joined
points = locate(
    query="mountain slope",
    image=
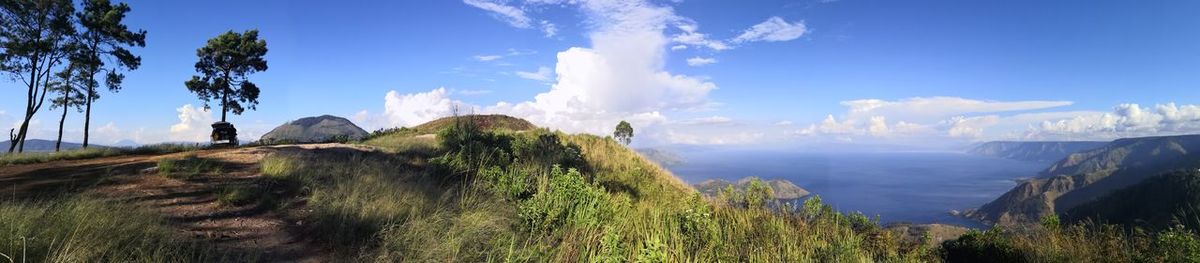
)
(1033, 151)
(1157, 203)
(315, 129)
(1087, 175)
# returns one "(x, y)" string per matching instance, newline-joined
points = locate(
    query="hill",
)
(39, 145)
(486, 122)
(1157, 203)
(783, 189)
(1087, 175)
(1044, 152)
(315, 129)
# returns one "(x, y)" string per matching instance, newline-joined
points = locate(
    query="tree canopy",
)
(225, 64)
(623, 133)
(103, 37)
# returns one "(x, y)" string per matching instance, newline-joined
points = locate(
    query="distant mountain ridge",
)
(39, 145)
(315, 129)
(1043, 152)
(1157, 203)
(1091, 174)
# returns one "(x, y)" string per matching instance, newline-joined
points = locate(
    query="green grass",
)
(89, 153)
(82, 229)
(497, 198)
(187, 167)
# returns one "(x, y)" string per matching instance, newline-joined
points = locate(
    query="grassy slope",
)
(424, 199)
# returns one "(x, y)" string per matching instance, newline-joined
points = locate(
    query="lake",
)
(917, 187)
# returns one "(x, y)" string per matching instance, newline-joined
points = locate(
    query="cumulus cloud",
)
(773, 30)
(542, 74)
(713, 120)
(678, 47)
(1125, 120)
(407, 110)
(194, 124)
(690, 36)
(549, 29)
(699, 61)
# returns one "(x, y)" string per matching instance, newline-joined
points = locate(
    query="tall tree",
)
(226, 61)
(69, 96)
(103, 38)
(35, 36)
(623, 133)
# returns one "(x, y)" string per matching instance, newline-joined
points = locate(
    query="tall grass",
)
(547, 196)
(82, 229)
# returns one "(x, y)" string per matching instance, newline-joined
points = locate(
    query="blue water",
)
(917, 187)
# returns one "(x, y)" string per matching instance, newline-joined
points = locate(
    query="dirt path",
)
(190, 205)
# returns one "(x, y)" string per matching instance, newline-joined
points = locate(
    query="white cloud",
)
(512, 15)
(469, 92)
(699, 61)
(678, 47)
(407, 110)
(194, 124)
(713, 120)
(549, 29)
(927, 109)
(783, 123)
(1125, 120)
(486, 58)
(931, 118)
(542, 74)
(690, 36)
(773, 30)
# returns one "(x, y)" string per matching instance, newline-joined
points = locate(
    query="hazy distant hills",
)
(1087, 175)
(1044, 152)
(315, 129)
(39, 145)
(783, 189)
(661, 156)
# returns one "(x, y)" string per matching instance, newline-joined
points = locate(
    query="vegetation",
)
(1157, 203)
(1084, 242)
(623, 133)
(52, 48)
(187, 167)
(35, 37)
(102, 38)
(226, 62)
(86, 229)
(94, 152)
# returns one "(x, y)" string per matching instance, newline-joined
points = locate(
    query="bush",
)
(567, 201)
(976, 246)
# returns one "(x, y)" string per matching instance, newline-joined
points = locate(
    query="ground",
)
(191, 205)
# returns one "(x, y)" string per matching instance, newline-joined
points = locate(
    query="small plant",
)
(240, 196)
(187, 167)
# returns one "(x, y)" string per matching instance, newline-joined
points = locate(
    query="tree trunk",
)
(63, 120)
(87, 116)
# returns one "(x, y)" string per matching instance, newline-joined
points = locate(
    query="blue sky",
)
(762, 72)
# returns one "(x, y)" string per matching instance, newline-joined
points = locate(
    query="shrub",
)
(567, 201)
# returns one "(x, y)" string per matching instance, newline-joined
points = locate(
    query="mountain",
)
(1043, 152)
(1156, 203)
(783, 189)
(661, 156)
(485, 122)
(315, 129)
(1087, 175)
(39, 145)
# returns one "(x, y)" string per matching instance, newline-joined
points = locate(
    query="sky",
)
(778, 73)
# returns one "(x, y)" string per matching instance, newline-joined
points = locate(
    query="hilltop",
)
(1087, 175)
(1042, 152)
(315, 129)
(39, 145)
(782, 189)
